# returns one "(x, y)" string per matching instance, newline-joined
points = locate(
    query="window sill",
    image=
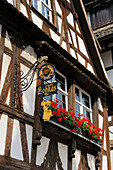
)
(44, 19)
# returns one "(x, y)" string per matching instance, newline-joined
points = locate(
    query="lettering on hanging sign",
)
(46, 89)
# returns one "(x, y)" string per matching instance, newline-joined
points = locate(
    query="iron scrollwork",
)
(23, 82)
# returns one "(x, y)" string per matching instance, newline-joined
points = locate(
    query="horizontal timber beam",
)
(16, 114)
(11, 163)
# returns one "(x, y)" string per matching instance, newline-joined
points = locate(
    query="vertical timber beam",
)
(95, 110)
(105, 109)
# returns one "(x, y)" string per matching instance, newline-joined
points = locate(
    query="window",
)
(44, 7)
(82, 103)
(62, 95)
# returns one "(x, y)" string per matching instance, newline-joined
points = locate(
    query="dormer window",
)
(44, 7)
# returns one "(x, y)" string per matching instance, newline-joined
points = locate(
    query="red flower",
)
(92, 136)
(85, 125)
(53, 112)
(59, 119)
(70, 109)
(60, 106)
(57, 101)
(73, 123)
(50, 100)
(89, 129)
(79, 114)
(73, 130)
(58, 113)
(64, 118)
(79, 125)
(89, 133)
(55, 104)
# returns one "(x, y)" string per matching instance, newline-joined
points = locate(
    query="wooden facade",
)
(26, 142)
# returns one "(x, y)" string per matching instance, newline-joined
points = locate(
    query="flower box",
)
(79, 125)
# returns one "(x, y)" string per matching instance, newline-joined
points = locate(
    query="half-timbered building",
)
(58, 29)
(100, 16)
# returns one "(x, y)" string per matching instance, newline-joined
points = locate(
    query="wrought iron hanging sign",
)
(45, 72)
(46, 89)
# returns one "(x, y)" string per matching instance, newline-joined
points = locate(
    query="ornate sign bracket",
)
(22, 82)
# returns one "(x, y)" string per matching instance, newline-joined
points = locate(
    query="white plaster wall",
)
(107, 58)
(90, 68)
(29, 94)
(104, 147)
(76, 160)
(100, 105)
(58, 9)
(77, 27)
(16, 145)
(91, 161)
(82, 47)
(59, 24)
(10, 1)
(100, 121)
(74, 39)
(42, 150)
(104, 163)
(110, 76)
(29, 131)
(3, 131)
(29, 54)
(6, 62)
(37, 20)
(8, 98)
(68, 1)
(111, 153)
(64, 45)
(7, 41)
(63, 150)
(81, 60)
(70, 19)
(69, 38)
(23, 10)
(54, 36)
(72, 52)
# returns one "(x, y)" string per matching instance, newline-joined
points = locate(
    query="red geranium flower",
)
(53, 112)
(73, 123)
(89, 133)
(59, 119)
(92, 136)
(89, 129)
(64, 118)
(57, 101)
(50, 100)
(73, 130)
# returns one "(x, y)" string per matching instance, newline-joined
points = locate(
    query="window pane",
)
(85, 99)
(61, 98)
(47, 14)
(77, 97)
(86, 113)
(45, 98)
(77, 109)
(60, 81)
(43, 10)
(35, 4)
